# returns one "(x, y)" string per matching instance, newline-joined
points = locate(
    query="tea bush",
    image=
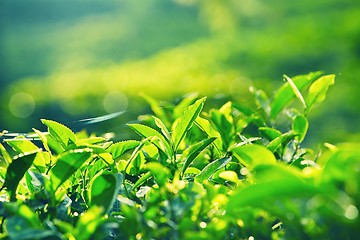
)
(234, 172)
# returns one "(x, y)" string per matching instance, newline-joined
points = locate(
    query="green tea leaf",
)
(67, 164)
(160, 172)
(89, 222)
(5, 154)
(229, 176)
(252, 154)
(119, 148)
(141, 180)
(295, 90)
(274, 183)
(300, 126)
(206, 127)
(22, 145)
(184, 123)
(192, 152)
(61, 133)
(43, 138)
(162, 127)
(318, 90)
(281, 141)
(285, 94)
(211, 168)
(223, 122)
(148, 132)
(254, 195)
(16, 170)
(104, 190)
(184, 104)
(269, 133)
(262, 101)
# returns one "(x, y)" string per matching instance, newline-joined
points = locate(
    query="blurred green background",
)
(69, 60)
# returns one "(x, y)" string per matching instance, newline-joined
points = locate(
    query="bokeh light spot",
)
(22, 105)
(351, 212)
(115, 101)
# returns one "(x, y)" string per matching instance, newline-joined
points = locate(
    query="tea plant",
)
(236, 172)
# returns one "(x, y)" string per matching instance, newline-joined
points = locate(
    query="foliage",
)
(236, 172)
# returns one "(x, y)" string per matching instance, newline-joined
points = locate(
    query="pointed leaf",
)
(211, 168)
(148, 132)
(300, 126)
(184, 123)
(184, 104)
(104, 190)
(296, 91)
(285, 94)
(119, 148)
(22, 145)
(252, 154)
(67, 164)
(269, 133)
(43, 139)
(318, 90)
(192, 152)
(206, 127)
(223, 122)
(16, 171)
(5, 154)
(281, 141)
(61, 133)
(162, 127)
(262, 100)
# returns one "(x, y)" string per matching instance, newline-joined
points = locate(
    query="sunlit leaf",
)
(184, 123)
(295, 90)
(285, 94)
(192, 152)
(22, 145)
(211, 168)
(206, 127)
(160, 172)
(252, 154)
(148, 132)
(318, 90)
(184, 104)
(262, 100)
(119, 148)
(162, 127)
(61, 133)
(229, 176)
(223, 122)
(16, 170)
(281, 141)
(43, 139)
(273, 183)
(66, 165)
(300, 126)
(269, 133)
(142, 179)
(104, 189)
(5, 154)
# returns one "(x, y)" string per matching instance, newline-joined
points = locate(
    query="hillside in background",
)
(69, 60)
